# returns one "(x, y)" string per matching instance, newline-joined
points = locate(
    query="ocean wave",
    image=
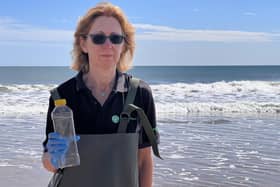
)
(259, 91)
(212, 108)
(24, 99)
(25, 87)
(237, 97)
(241, 97)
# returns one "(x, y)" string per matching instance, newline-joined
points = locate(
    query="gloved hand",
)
(57, 147)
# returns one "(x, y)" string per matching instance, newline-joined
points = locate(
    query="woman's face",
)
(107, 54)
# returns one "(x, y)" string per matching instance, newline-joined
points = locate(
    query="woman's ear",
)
(83, 44)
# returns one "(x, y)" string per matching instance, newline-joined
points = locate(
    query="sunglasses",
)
(100, 39)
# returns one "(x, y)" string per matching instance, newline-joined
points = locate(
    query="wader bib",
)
(108, 160)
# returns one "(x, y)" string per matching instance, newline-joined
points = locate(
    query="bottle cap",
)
(60, 102)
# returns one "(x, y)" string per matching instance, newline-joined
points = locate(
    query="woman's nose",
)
(108, 43)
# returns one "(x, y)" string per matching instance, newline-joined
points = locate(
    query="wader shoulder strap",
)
(125, 117)
(146, 125)
(133, 86)
(55, 95)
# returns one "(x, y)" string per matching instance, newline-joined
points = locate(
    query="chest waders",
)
(108, 160)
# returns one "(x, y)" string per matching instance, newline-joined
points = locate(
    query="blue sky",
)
(177, 32)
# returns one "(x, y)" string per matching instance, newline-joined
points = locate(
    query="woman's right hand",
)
(57, 147)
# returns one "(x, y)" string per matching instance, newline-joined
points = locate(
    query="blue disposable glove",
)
(57, 147)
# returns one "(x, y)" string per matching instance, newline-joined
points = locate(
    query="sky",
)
(168, 32)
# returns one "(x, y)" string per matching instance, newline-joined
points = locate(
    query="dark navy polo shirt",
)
(92, 118)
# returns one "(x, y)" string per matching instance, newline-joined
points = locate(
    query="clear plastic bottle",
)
(63, 123)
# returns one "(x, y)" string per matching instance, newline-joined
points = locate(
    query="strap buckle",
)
(126, 116)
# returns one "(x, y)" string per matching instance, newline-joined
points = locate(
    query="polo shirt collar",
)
(120, 85)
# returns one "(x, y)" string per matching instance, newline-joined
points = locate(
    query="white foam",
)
(232, 166)
(237, 97)
(216, 108)
(6, 164)
(270, 159)
(191, 178)
(24, 99)
(176, 156)
(228, 91)
(219, 97)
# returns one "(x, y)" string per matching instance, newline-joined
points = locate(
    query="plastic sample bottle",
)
(63, 124)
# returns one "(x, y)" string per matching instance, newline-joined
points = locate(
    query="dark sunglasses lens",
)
(116, 39)
(101, 38)
(98, 38)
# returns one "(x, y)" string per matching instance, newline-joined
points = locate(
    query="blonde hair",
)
(80, 59)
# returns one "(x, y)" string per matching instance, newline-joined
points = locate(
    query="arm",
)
(145, 167)
(145, 159)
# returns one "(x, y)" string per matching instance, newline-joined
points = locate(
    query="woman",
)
(103, 50)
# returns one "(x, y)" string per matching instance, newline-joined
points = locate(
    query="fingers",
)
(54, 162)
(54, 135)
(57, 151)
(77, 138)
(57, 145)
(57, 142)
(57, 136)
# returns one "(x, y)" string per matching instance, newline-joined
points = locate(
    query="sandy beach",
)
(197, 151)
(220, 151)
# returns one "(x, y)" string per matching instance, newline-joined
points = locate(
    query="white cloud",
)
(249, 14)
(155, 32)
(13, 31)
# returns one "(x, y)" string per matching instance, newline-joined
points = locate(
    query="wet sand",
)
(16, 177)
(219, 151)
(197, 151)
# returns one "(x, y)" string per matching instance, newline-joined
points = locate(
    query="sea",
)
(218, 125)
